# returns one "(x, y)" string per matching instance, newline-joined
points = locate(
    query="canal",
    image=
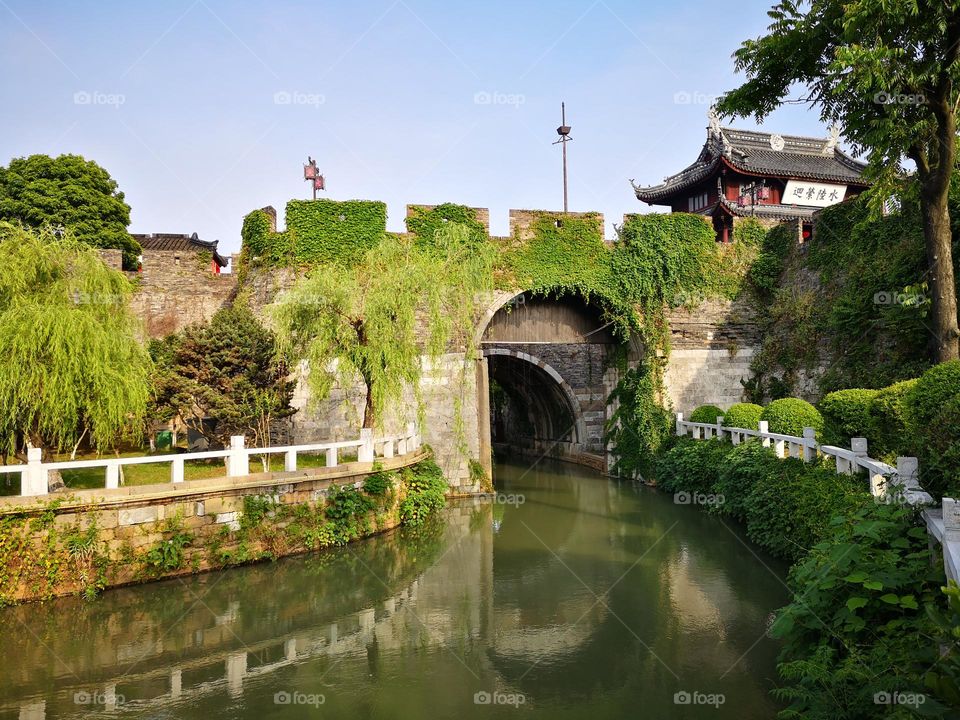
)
(571, 596)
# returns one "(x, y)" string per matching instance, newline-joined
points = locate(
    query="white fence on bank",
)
(887, 483)
(34, 474)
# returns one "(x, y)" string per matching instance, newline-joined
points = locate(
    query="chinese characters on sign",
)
(801, 192)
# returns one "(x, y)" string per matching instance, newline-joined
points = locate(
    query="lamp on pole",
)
(311, 173)
(564, 132)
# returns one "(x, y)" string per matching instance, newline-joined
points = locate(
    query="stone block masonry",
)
(202, 519)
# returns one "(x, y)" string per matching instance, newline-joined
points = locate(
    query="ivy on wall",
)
(425, 222)
(333, 230)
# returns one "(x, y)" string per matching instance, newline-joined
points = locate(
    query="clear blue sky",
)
(183, 101)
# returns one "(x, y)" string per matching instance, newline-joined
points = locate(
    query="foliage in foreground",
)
(72, 365)
(640, 425)
(867, 618)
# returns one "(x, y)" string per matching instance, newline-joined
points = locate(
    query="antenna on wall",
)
(564, 132)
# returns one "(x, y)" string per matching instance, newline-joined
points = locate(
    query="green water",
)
(591, 599)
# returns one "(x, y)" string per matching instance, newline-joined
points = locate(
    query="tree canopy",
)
(886, 71)
(70, 358)
(70, 192)
(363, 320)
(224, 371)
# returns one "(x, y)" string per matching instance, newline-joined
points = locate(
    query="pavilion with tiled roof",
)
(746, 173)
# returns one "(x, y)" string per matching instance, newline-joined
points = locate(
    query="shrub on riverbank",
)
(743, 415)
(789, 416)
(706, 414)
(846, 414)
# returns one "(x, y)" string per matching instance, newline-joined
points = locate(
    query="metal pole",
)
(563, 122)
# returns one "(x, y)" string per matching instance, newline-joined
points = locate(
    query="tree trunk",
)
(938, 240)
(369, 415)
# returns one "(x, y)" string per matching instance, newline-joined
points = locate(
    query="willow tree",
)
(71, 364)
(887, 72)
(376, 320)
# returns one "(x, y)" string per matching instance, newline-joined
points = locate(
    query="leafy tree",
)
(886, 71)
(225, 370)
(374, 320)
(71, 364)
(68, 192)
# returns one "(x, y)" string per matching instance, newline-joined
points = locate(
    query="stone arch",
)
(579, 423)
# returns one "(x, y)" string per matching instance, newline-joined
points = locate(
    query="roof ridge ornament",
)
(834, 138)
(714, 119)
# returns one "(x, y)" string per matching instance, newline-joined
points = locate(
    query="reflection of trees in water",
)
(181, 620)
(698, 598)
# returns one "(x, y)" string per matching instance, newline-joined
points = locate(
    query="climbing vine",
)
(426, 222)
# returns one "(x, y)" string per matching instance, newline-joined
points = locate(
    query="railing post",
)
(908, 472)
(238, 461)
(414, 441)
(859, 448)
(388, 448)
(365, 453)
(33, 480)
(695, 432)
(951, 536)
(290, 461)
(402, 446)
(680, 429)
(176, 470)
(331, 457)
(113, 474)
(764, 427)
(809, 444)
(720, 427)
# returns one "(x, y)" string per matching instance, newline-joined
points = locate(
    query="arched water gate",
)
(544, 378)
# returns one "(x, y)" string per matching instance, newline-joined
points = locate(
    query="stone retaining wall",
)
(93, 537)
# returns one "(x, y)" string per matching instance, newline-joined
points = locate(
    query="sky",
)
(203, 110)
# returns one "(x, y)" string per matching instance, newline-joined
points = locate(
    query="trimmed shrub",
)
(789, 416)
(888, 419)
(706, 414)
(846, 414)
(691, 465)
(932, 391)
(743, 415)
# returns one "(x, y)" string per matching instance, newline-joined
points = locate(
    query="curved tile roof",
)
(753, 152)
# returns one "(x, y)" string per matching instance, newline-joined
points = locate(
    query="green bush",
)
(691, 465)
(741, 471)
(888, 419)
(858, 623)
(743, 415)
(846, 414)
(933, 421)
(791, 503)
(706, 414)
(789, 416)
(425, 492)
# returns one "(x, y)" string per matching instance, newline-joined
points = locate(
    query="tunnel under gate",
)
(548, 375)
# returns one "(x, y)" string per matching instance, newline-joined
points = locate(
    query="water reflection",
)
(590, 598)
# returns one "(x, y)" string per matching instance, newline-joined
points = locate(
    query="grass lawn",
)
(159, 473)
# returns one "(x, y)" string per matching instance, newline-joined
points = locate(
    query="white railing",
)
(886, 481)
(34, 474)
